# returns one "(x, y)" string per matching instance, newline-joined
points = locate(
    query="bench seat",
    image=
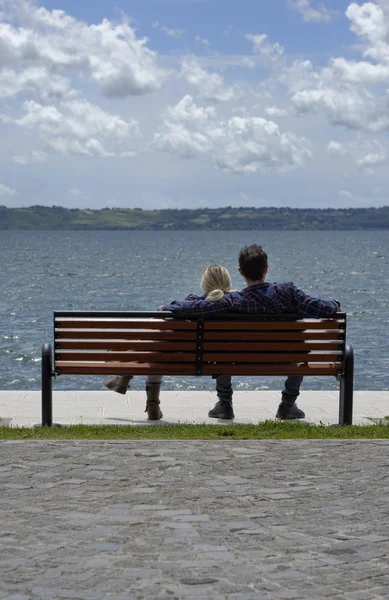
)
(160, 343)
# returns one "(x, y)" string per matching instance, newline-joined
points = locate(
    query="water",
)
(118, 270)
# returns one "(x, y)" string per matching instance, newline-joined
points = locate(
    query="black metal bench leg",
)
(347, 388)
(47, 395)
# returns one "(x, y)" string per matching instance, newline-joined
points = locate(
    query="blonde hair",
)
(215, 281)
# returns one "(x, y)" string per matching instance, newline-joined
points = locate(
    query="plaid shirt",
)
(258, 298)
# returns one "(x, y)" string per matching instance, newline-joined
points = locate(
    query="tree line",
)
(227, 218)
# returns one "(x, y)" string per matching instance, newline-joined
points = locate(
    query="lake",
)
(43, 271)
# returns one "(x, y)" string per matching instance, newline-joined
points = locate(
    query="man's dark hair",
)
(253, 262)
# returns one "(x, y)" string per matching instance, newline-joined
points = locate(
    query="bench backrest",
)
(102, 343)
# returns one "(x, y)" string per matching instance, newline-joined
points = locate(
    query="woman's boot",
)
(119, 384)
(154, 413)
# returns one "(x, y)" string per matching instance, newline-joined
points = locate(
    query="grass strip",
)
(264, 430)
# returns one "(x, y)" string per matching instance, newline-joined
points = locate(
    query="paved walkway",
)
(94, 407)
(201, 520)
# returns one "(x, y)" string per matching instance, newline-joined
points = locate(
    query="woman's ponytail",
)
(216, 282)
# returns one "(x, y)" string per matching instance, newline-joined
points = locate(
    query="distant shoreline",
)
(200, 219)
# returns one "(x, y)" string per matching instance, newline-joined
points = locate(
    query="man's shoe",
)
(288, 413)
(119, 383)
(222, 410)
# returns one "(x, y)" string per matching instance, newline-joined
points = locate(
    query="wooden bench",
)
(160, 343)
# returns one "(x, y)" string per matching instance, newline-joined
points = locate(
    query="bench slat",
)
(246, 336)
(178, 346)
(172, 357)
(272, 357)
(274, 325)
(65, 323)
(282, 370)
(125, 335)
(175, 346)
(91, 368)
(273, 336)
(267, 347)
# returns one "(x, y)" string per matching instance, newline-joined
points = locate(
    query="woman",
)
(215, 282)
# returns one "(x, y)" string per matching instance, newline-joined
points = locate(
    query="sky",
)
(194, 103)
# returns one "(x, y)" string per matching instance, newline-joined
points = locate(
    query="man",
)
(258, 297)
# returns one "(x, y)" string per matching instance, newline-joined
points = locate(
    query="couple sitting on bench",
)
(218, 299)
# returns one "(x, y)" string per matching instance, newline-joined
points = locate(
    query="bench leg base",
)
(47, 393)
(347, 389)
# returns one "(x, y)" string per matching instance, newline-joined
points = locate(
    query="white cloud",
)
(369, 152)
(76, 127)
(347, 91)
(44, 54)
(37, 80)
(300, 75)
(345, 194)
(77, 196)
(361, 152)
(359, 71)
(262, 46)
(21, 159)
(210, 86)
(336, 149)
(178, 139)
(371, 159)
(351, 107)
(274, 111)
(238, 145)
(201, 40)
(36, 156)
(371, 23)
(187, 111)
(225, 61)
(247, 61)
(309, 13)
(331, 101)
(249, 145)
(6, 191)
(109, 54)
(176, 33)
(183, 130)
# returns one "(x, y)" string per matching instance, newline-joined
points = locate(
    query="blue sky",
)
(190, 103)
(223, 22)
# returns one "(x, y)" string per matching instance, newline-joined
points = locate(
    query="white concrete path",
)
(23, 408)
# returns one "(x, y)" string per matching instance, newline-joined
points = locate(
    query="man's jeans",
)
(289, 393)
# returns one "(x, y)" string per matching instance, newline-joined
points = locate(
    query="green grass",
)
(264, 430)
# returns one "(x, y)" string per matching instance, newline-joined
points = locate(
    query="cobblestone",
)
(267, 520)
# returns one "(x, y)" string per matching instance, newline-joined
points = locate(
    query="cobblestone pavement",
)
(243, 520)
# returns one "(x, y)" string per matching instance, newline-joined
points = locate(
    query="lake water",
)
(43, 271)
